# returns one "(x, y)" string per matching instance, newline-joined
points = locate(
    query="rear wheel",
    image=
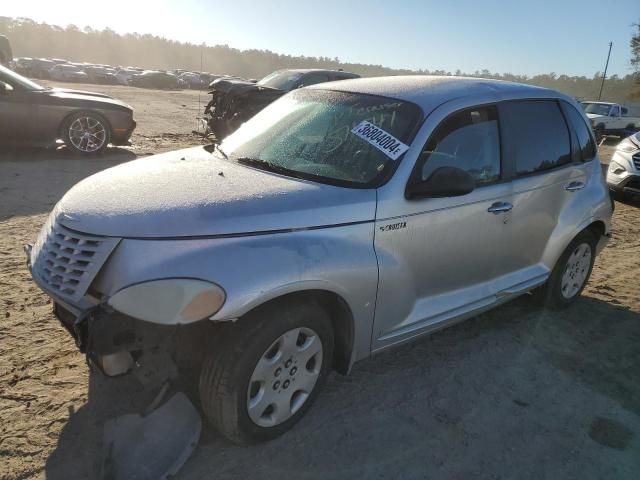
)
(599, 131)
(267, 371)
(571, 273)
(86, 133)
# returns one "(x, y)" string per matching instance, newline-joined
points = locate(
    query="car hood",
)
(78, 92)
(594, 115)
(191, 193)
(71, 95)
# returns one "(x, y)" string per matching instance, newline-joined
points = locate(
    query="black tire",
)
(599, 131)
(227, 371)
(72, 144)
(551, 293)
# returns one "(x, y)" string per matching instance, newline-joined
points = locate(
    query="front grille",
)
(65, 262)
(636, 160)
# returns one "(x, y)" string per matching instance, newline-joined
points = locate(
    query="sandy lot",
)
(515, 393)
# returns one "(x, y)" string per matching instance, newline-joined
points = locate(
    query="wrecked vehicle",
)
(234, 101)
(341, 220)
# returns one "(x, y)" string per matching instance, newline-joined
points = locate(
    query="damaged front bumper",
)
(117, 344)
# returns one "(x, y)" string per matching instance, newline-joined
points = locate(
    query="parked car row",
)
(65, 71)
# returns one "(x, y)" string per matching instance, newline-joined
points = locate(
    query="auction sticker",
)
(382, 140)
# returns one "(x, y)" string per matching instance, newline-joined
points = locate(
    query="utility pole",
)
(605, 71)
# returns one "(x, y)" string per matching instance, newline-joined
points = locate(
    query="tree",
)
(32, 39)
(635, 48)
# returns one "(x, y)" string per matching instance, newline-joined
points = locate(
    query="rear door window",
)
(537, 134)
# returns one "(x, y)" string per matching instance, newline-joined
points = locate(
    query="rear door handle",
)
(574, 186)
(500, 207)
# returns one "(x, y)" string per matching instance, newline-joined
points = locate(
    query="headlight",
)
(627, 146)
(616, 168)
(169, 301)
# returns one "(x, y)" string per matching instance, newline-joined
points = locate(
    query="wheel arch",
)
(598, 228)
(340, 314)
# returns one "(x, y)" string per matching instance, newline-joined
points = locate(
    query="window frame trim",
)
(565, 106)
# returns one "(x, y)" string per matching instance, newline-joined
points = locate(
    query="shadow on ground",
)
(26, 173)
(519, 392)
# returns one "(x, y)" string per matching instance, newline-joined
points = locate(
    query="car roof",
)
(320, 70)
(429, 91)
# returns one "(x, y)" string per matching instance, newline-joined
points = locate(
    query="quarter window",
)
(468, 140)
(586, 149)
(538, 133)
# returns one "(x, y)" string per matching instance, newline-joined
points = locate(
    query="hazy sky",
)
(517, 36)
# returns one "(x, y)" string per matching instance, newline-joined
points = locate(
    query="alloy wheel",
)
(87, 134)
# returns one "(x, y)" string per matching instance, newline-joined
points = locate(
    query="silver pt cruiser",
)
(341, 220)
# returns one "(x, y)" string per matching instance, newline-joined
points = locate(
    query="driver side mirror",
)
(5, 88)
(443, 182)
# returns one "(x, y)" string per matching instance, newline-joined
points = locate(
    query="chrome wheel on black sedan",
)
(86, 133)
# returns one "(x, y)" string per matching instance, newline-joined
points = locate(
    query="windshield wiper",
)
(216, 146)
(265, 165)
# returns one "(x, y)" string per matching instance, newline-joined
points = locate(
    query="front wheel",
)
(86, 133)
(571, 273)
(266, 372)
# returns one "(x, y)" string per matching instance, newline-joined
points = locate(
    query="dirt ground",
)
(518, 392)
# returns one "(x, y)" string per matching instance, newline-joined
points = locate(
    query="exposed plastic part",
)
(114, 364)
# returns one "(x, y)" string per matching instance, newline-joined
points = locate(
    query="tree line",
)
(33, 39)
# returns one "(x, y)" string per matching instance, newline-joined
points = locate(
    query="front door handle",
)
(500, 207)
(574, 186)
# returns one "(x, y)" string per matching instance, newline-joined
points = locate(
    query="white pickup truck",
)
(610, 119)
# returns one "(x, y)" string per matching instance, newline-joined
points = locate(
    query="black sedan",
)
(155, 79)
(35, 115)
